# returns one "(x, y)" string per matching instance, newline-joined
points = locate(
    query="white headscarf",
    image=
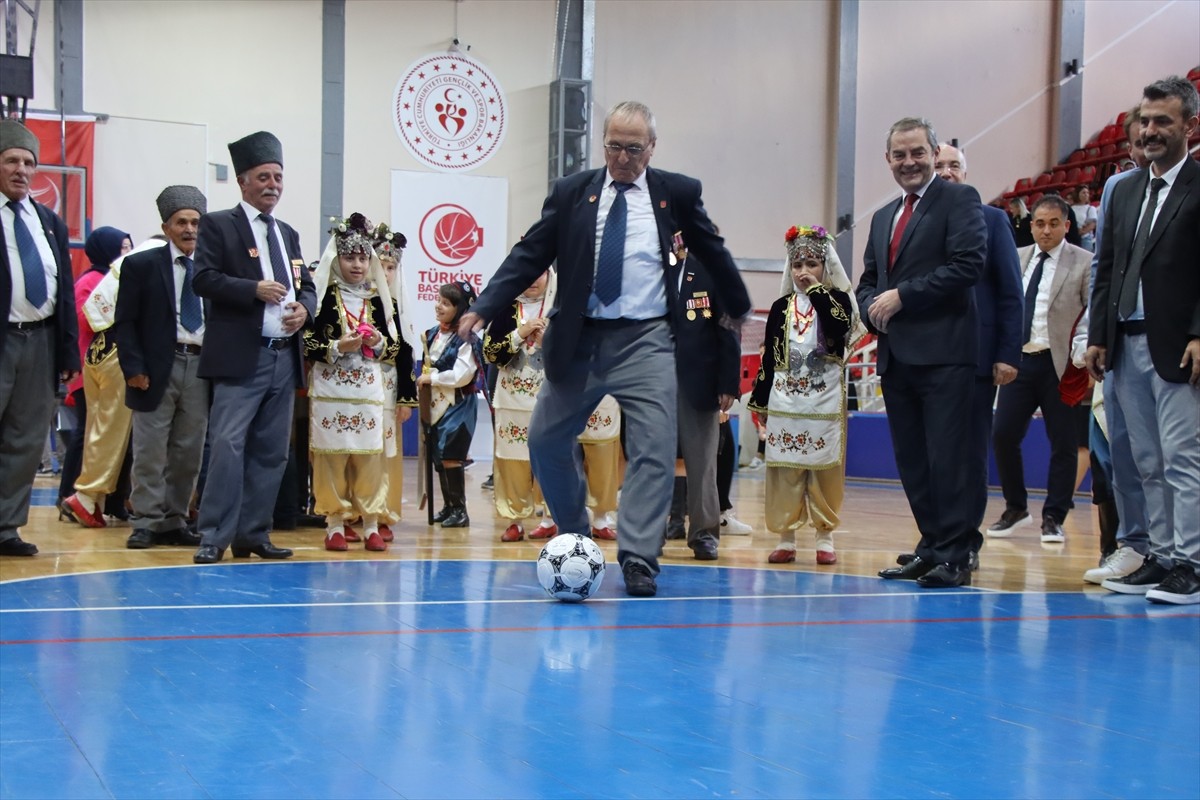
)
(376, 281)
(835, 278)
(399, 293)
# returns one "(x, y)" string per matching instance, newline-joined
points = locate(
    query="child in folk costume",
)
(450, 368)
(353, 335)
(513, 342)
(801, 394)
(400, 390)
(601, 442)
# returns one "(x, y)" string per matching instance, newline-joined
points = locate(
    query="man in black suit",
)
(618, 235)
(159, 330)
(1145, 330)
(38, 344)
(260, 293)
(924, 255)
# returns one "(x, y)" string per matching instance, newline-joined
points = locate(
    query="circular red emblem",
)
(450, 235)
(44, 190)
(449, 112)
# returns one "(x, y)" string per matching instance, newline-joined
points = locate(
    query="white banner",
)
(457, 229)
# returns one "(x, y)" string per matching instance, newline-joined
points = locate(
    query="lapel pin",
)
(592, 199)
(254, 252)
(662, 203)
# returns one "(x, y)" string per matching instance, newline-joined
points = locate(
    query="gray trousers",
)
(26, 408)
(698, 436)
(635, 363)
(1163, 421)
(249, 428)
(168, 445)
(1126, 486)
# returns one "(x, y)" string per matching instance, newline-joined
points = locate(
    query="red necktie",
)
(901, 224)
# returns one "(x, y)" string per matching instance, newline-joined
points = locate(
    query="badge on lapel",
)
(254, 252)
(297, 270)
(679, 251)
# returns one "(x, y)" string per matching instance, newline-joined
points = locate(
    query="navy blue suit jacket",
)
(708, 355)
(566, 233)
(66, 328)
(999, 297)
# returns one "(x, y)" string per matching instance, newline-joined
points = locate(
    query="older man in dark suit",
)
(159, 330)
(1145, 330)
(249, 267)
(925, 253)
(618, 235)
(38, 340)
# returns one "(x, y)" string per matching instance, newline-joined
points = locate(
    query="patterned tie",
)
(612, 249)
(1031, 293)
(1133, 273)
(189, 305)
(909, 203)
(278, 265)
(31, 259)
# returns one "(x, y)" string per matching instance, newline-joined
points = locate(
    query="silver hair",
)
(1175, 86)
(910, 124)
(632, 108)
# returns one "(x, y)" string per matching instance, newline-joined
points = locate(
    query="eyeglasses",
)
(632, 150)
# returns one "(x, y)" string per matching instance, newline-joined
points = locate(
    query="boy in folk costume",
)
(353, 335)
(801, 394)
(513, 342)
(400, 390)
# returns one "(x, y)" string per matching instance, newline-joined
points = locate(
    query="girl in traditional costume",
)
(800, 392)
(353, 335)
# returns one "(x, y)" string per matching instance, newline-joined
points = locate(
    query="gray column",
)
(847, 119)
(333, 112)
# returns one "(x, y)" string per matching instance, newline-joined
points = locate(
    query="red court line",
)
(537, 628)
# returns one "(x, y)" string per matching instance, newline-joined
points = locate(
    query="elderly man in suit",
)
(260, 293)
(160, 334)
(1056, 278)
(1145, 330)
(38, 341)
(619, 235)
(924, 254)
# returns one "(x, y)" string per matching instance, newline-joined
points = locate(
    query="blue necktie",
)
(278, 266)
(31, 259)
(611, 262)
(189, 305)
(1031, 293)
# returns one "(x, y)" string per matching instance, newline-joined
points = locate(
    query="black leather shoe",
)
(440, 516)
(945, 576)
(906, 558)
(910, 571)
(140, 539)
(267, 550)
(180, 536)
(208, 554)
(638, 580)
(705, 550)
(675, 529)
(17, 547)
(973, 561)
(457, 518)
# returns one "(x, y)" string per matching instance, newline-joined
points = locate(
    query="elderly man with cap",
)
(37, 340)
(260, 293)
(160, 332)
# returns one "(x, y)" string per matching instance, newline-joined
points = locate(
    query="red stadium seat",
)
(1087, 175)
(1023, 185)
(1111, 133)
(1078, 155)
(1072, 178)
(1107, 150)
(1043, 179)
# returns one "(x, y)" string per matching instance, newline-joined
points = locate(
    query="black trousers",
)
(1036, 386)
(982, 402)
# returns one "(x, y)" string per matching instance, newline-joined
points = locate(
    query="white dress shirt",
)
(19, 309)
(1139, 312)
(182, 334)
(1039, 335)
(643, 285)
(273, 313)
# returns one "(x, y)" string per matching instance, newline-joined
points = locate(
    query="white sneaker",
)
(1124, 561)
(755, 463)
(732, 526)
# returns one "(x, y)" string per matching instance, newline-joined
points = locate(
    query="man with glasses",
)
(620, 235)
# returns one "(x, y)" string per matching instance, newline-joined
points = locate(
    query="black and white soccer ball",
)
(571, 567)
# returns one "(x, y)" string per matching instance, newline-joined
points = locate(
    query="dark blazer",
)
(566, 232)
(708, 355)
(145, 328)
(66, 328)
(999, 297)
(228, 275)
(1170, 272)
(940, 259)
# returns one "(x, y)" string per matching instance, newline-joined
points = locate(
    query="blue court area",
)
(430, 679)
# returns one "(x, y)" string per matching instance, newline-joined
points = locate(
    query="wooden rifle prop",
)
(424, 410)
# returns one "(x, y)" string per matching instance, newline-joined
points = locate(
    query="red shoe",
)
(782, 556)
(375, 542)
(606, 533)
(542, 532)
(826, 557)
(336, 542)
(385, 532)
(352, 535)
(74, 508)
(513, 533)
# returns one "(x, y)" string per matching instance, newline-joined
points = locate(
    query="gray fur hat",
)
(257, 148)
(174, 198)
(14, 134)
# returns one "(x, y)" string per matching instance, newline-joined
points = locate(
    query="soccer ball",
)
(570, 567)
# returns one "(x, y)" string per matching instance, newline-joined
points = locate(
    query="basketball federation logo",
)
(449, 111)
(449, 235)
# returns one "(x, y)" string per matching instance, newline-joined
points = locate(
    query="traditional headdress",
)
(387, 242)
(390, 244)
(257, 148)
(353, 235)
(816, 242)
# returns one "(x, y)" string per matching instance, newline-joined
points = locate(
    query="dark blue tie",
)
(612, 249)
(1133, 272)
(31, 259)
(189, 305)
(278, 265)
(1031, 293)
